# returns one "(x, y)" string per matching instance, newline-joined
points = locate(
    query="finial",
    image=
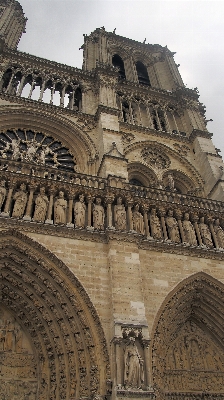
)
(114, 30)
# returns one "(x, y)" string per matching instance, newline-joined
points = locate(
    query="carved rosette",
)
(155, 157)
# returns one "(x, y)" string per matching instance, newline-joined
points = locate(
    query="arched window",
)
(118, 63)
(143, 77)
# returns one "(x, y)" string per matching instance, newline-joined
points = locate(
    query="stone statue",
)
(60, 207)
(133, 366)
(120, 215)
(20, 198)
(171, 182)
(43, 153)
(41, 204)
(205, 233)
(138, 222)
(219, 234)
(189, 232)
(155, 226)
(172, 227)
(98, 215)
(80, 212)
(2, 193)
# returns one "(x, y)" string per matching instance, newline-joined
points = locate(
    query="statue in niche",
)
(219, 234)
(41, 204)
(133, 366)
(80, 212)
(138, 222)
(2, 193)
(20, 198)
(155, 226)
(98, 215)
(172, 227)
(60, 207)
(171, 182)
(205, 233)
(120, 215)
(189, 232)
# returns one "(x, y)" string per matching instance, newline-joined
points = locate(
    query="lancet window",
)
(118, 63)
(35, 85)
(143, 77)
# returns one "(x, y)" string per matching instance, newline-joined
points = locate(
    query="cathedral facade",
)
(111, 225)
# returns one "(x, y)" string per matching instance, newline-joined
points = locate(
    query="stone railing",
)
(81, 201)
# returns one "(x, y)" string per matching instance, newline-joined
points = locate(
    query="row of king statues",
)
(167, 227)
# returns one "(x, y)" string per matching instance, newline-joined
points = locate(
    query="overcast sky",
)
(193, 29)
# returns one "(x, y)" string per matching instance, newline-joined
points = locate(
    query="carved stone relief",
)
(133, 366)
(98, 215)
(20, 198)
(18, 366)
(120, 215)
(138, 222)
(155, 157)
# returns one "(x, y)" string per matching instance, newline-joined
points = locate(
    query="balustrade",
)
(42, 86)
(84, 202)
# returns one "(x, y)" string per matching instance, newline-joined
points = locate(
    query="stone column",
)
(27, 216)
(49, 219)
(175, 123)
(167, 120)
(162, 214)
(70, 207)
(108, 201)
(89, 212)
(179, 216)
(119, 380)
(42, 90)
(129, 214)
(19, 92)
(195, 224)
(8, 201)
(148, 372)
(145, 209)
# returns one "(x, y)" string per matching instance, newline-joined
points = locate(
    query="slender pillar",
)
(70, 208)
(21, 86)
(52, 93)
(42, 90)
(195, 224)
(10, 82)
(129, 214)
(117, 343)
(49, 219)
(89, 211)
(175, 123)
(145, 209)
(109, 200)
(158, 121)
(31, 89)
(148, 372)
(162, 214)
(8, 201)
(167, 121)
(179, 216)
(27, 216)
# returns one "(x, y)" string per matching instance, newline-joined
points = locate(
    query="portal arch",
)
(187, 348)
(46, 302)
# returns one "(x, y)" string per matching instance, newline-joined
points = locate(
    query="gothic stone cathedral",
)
(111, 225)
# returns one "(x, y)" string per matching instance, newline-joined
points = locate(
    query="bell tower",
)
(12, 23)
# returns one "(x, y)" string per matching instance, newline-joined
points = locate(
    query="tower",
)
(112, 228)
(13, 23)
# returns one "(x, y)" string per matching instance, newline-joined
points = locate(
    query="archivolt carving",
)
(142, 174)
(194, 176)
(187, 351)
(68, 133)
(182, 182)
(53, 311)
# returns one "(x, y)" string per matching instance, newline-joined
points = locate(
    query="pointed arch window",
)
(143, 77)
(118, 63)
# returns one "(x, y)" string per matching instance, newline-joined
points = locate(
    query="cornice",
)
(110, 235)
(135, 394)
(198, 133)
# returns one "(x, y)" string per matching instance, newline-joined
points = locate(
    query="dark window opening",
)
(135, 182)
(118, 63)
(143, 77)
